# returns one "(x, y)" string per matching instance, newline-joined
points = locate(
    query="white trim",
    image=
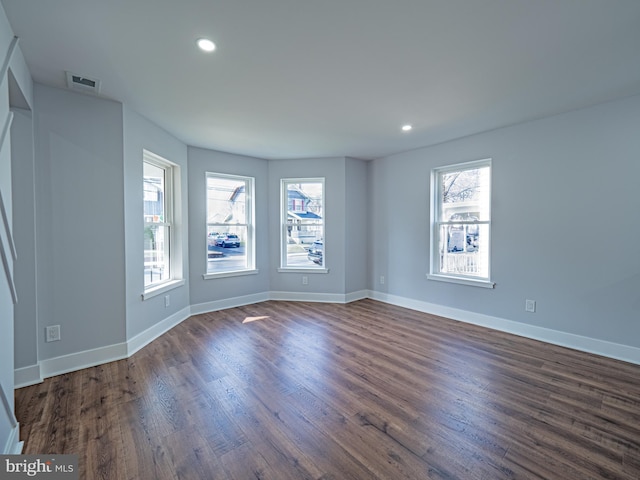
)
(302, 270)
(236, 273)
(5, 129)
(355, 296)
(309, 297)
(90, 358)
(320, 297)
(461, 280)
(8, 57)
(85, 359)
(144, 338)
(165, 287)
(284, 213)
(576, 342)
(229, 303)
(13, 445)
(436, 222)
(26, 376)
(7, 258)
(249, 220)
(172, 220)
(7, 407)
(7, 229)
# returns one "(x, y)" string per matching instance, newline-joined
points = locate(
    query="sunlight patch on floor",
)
(253, 319)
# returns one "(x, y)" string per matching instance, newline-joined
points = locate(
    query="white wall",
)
(89, 234)
(333, 171)
(565, 223)
(80, 219)
(564, 233)
(141, 134)
(356, 238)
(208, 292)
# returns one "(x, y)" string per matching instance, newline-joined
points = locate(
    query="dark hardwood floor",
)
(325, 391)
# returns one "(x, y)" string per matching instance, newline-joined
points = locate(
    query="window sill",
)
(462, 280)
(237, 273)
(160, 289)
(302, 270)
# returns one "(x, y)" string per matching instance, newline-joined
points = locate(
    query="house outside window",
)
(461, 223)
(159, 231)
(230, 225)
(302, 224)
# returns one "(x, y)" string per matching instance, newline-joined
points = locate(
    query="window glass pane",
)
(160, 264)
(303, 232)
(465, 195)
(464, 249)
(461, 220)
(226, 200)
(229, 223)
(226, 249)
(154, 193)
(156, 254)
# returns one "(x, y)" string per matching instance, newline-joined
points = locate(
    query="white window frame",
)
(284, 199)
(172, 212)
(437, 223)
(250, 247)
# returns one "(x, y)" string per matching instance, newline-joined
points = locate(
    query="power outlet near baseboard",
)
(530, 306)
(52, 333)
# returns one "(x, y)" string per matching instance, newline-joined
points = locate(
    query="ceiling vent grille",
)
(83, 84)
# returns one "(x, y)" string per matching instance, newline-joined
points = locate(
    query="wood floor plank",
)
(143, 453)
(328, 391)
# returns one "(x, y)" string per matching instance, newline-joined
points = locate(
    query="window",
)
(302, 224)
(460, 223)
(160, 263)
(230, 231)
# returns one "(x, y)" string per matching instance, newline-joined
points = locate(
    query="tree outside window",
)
(461, 219)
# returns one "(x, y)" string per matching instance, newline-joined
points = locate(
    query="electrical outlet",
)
(52, 333)
(305, 280)
(530, 306)
(381, 279)
(167, 301)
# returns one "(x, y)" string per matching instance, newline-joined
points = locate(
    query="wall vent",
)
(83, 84)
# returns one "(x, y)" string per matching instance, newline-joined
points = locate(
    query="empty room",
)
(320, 240)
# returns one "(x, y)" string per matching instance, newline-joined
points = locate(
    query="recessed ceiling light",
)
(206, 45)
(406, 128)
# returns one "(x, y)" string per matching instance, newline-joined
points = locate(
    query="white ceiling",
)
(319, 78)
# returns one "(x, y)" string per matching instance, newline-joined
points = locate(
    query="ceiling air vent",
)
(83, 84)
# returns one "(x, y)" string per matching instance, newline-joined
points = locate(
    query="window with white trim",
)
(461, 223)
(230, 225)
(302, 220)
(159, 177)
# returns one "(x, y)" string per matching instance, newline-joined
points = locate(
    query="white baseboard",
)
(25, 376)
(150, 334)
(13, 445)
(229, 303)
(77, 361)
(355, 296)
(319, 297)
(576, 342)
(85, 359)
